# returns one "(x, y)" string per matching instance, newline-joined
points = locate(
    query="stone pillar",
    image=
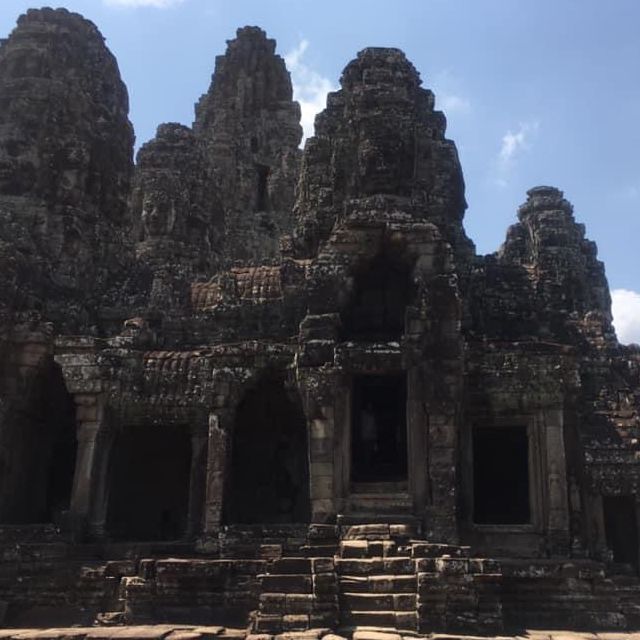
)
(321, 481)
(197, 481)
(335, 444)
(87, 434)
(101, 483)
(217, 455)
(89, 491)
(416, 441)
(597, 531)
(440, 516)
(556, 479)
(77, 357)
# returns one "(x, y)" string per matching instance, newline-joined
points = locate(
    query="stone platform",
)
(183, 632)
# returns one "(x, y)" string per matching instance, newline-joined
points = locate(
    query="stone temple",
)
(278, 391)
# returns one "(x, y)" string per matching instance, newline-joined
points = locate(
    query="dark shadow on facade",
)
(379, 429)
(269, 480)
(621, 528)
(38, 453)
(501, 475)
(381, 294)
(149, 483)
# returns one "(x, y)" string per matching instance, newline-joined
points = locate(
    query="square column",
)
(217, 454)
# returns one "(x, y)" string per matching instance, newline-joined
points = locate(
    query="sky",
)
(535, 92)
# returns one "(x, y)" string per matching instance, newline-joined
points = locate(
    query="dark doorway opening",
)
(262, 193)
(38, 453)
(621, 528)
(269, 480)
(501, 475)
(379, 429)
(381, 295)
(149, 483)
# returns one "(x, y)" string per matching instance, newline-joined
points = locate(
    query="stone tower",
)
(251, 127)
(65, 158)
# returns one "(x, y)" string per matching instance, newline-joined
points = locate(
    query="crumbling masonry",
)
(242, 383)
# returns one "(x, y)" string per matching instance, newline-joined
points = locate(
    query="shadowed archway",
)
(38, 452)
(149, 483)
(269, 479)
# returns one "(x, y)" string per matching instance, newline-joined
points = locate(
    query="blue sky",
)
(535, 92)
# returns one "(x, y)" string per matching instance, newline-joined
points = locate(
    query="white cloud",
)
(513, 145)
(446, 87)
(156, 4)
(310, 88)
(625, 306)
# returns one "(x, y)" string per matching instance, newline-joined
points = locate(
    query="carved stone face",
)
(380, 159)
(158, 214)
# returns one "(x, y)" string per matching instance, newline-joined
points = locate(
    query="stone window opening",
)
(501, 478)
(262, 191)
(379, 428)
(149, 479)
(269, 476)
(380, 297)
(621, 529)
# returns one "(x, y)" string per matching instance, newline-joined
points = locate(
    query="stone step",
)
(379, 487)
(375, 566)
(286, 583)
(290, 566)
(401, 620)
(319, 550)
(378, 601)
(420, 549)
(322, 533)
(401, 534)
(301, 566)
(387, 503)
(251, 550)
(278, 623)
(355, 519)
(373, 549)
(286, 603)
(378, 584)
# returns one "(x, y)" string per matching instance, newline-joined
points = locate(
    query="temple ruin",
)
(244, 384)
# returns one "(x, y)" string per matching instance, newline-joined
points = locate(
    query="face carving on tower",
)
(159, 215)
(381, 160)
(174, 203)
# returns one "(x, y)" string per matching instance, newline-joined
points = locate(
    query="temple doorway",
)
(379, 428)
(149, 483)
(38, 453)
(269, 479)
(621, 528)
(501, 475)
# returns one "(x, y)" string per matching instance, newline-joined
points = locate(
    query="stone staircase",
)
(298, 590)
(297, 594)
(377, 577)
